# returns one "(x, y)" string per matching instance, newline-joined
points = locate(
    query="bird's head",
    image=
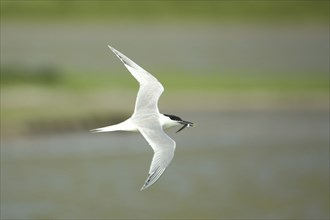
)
(175, 120)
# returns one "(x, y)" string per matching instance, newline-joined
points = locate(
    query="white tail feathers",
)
(123, 126)
(105, 129)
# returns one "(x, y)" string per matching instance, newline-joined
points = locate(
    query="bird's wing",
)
(150, 88)
(163, 147)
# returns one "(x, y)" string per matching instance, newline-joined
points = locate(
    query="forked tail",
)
(107, 129)
(123, 126)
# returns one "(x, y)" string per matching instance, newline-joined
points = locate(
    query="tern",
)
(147, 120)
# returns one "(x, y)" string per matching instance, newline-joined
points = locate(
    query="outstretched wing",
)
(150, 88)
(163, 147)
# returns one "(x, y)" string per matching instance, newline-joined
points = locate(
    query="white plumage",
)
(148, 121)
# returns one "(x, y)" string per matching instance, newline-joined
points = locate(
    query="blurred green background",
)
(253, 75)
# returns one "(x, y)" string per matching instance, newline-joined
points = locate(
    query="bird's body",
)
(147, 120)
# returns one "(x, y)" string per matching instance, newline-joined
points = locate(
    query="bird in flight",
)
(147, 120)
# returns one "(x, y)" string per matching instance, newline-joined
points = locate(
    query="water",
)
(241, 164)
(198, 47)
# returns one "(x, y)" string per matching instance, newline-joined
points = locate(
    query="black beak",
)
(185, 124)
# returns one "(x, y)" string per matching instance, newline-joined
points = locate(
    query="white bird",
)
(148, 120)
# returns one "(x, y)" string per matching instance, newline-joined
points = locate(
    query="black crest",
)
(173, 117)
